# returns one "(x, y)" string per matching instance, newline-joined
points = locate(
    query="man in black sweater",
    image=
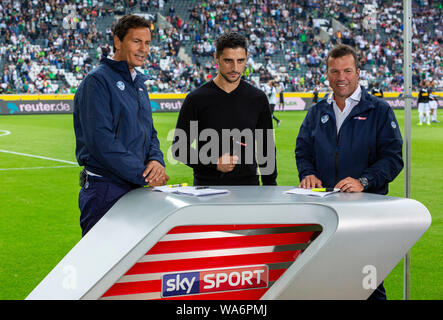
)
(224, 129)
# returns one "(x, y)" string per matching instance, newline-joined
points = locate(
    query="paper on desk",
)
(192, 191)
(309, 192)
(166, 189)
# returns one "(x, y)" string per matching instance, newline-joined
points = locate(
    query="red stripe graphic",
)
(230, 242)
(119, 289)
(200, 264)
(213, 262)
(188, 229)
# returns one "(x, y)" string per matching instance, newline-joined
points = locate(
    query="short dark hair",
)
(341, 51)
(129, 21)
(231, 40)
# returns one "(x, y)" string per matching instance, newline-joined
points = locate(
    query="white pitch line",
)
(4, 132)
(39, 157)
(34, 168)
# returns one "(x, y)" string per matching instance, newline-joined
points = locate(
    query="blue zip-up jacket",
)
(369, 144)
(113, 125)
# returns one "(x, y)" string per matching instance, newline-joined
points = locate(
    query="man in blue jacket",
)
(116, 141)
(351, 140)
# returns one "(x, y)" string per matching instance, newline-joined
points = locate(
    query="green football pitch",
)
(39, 189)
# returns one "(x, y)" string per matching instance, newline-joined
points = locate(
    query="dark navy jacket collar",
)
(364, 104)
(123, 69)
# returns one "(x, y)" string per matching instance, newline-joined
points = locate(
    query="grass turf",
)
(40, 217)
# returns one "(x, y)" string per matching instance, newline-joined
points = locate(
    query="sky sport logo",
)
(214, 280)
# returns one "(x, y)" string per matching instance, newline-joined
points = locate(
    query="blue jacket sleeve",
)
(304, 152)
(155, 152)
(99, 136)
(388, 159)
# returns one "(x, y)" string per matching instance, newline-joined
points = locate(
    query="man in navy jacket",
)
(351, 140)
(116, 140)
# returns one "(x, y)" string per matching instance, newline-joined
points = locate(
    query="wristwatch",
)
(364, 182)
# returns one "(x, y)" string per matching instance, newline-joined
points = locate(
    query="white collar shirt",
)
(350, 103)
(133, 72)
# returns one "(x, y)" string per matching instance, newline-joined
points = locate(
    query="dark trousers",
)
(379, 293)
(272, 107)
(96, 197)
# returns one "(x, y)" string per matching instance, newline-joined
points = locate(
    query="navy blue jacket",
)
(113, 124)
(369, 144)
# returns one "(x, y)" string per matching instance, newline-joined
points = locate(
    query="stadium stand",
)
(48, 47)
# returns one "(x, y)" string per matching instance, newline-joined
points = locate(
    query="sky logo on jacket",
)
(120, 85)
(214, 280)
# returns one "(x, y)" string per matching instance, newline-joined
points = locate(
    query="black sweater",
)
(212, 108)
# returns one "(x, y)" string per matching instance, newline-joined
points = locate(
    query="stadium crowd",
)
(48, 47)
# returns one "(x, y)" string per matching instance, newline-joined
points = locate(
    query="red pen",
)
(240, 143)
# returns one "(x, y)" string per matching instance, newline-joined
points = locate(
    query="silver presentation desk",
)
(362, 237)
